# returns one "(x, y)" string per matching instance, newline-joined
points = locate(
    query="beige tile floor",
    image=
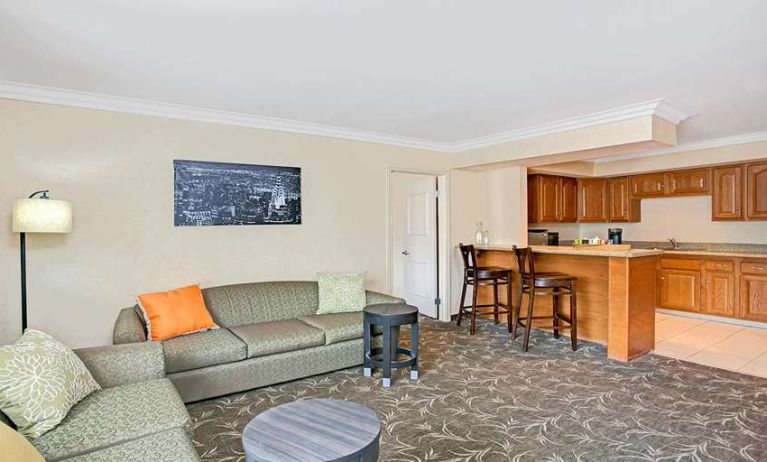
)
(715, 344)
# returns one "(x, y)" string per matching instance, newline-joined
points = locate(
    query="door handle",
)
(405, 252)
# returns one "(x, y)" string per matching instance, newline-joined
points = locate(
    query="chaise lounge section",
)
(137, 416)
(269, 333)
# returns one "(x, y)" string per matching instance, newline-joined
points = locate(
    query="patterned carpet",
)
(480, 399)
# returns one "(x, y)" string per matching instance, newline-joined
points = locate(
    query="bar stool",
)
(559, 284)
(479, 276)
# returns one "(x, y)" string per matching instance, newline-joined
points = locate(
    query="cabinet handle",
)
(760, 268)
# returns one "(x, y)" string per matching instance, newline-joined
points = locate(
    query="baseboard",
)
(711, 317)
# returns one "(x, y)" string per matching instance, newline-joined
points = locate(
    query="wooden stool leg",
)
(530, 305)
(573, 317)
(555, 311)
(495, 300)
(474, 309)
(509, 298)
(517, 310)
(463, 301)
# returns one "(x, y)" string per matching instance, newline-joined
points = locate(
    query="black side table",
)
(390, 316)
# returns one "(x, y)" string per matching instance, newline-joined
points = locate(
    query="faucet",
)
(674, 243)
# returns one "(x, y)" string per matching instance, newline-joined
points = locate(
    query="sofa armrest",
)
(128, 328)
(377, 297)
(115, 365)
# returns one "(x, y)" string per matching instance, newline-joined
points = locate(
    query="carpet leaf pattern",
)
(481, 399)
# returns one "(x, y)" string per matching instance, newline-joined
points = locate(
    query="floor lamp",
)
(37, 214)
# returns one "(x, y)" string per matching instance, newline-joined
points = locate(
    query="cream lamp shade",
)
(39, 215)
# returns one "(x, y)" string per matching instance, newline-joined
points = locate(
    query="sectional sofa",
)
(137, 416)
(269, 333)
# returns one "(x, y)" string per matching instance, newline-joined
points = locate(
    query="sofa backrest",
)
(238, 304)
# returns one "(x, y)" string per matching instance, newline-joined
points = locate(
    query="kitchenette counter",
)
(602, 251)
(616, 292)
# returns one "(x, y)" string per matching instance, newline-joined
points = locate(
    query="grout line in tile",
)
(764, 355)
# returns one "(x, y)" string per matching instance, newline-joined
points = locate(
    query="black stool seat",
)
(488, 272)
(390, 316)
(544, 280)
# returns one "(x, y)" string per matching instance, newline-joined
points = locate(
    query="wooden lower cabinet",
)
(718, 291)
(679, 289)
(753, 297)
(718, 286)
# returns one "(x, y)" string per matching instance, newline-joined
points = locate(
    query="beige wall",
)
(688, 219)
(117, 170)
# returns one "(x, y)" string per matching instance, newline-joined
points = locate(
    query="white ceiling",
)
(437, 70)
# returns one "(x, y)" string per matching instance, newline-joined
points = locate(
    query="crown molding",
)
(58, 96)
(42, 94)
(696, 146)
(658, 107)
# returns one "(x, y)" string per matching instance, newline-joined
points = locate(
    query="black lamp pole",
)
(23, 241)
(23, 252)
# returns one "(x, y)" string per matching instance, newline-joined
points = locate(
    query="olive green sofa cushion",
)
(168, 446)
(268, 338)
(115, 415)
(338, 327)
(203, 349)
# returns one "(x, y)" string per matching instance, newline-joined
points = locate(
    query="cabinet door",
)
(622, 207)
(592, 201)
(756, 191)
(719, 293)
(649, 185)
(549, 199)
(690, 182)
(753, 297)
(727, 193)
(679, 289)
(569, 200)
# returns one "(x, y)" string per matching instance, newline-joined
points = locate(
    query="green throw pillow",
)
(40, 380)
(341, 293)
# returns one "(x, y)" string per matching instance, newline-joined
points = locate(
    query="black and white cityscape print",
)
(220, 193)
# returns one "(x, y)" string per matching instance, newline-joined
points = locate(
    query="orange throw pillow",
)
(175, 312)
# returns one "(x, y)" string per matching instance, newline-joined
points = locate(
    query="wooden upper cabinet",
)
(690, 182)
(727, 193)
(622, 206)
(756, 191)
(551, 199)
(649, 185)
(569, 200)
(593, 200)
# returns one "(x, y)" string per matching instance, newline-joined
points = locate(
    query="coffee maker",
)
(615, 235)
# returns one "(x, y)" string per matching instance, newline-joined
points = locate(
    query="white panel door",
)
(414, 240)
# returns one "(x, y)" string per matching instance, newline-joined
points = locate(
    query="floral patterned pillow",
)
(40, 380)
(341, 293)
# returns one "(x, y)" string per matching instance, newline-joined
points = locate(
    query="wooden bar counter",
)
(616, 293)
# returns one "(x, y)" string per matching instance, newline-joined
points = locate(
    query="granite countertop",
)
(715, 253)
(634, 252)
(553, 250)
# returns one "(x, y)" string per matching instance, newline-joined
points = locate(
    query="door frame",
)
(443, 235)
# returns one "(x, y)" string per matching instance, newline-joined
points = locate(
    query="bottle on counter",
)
(486, 237)
(479, 235)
